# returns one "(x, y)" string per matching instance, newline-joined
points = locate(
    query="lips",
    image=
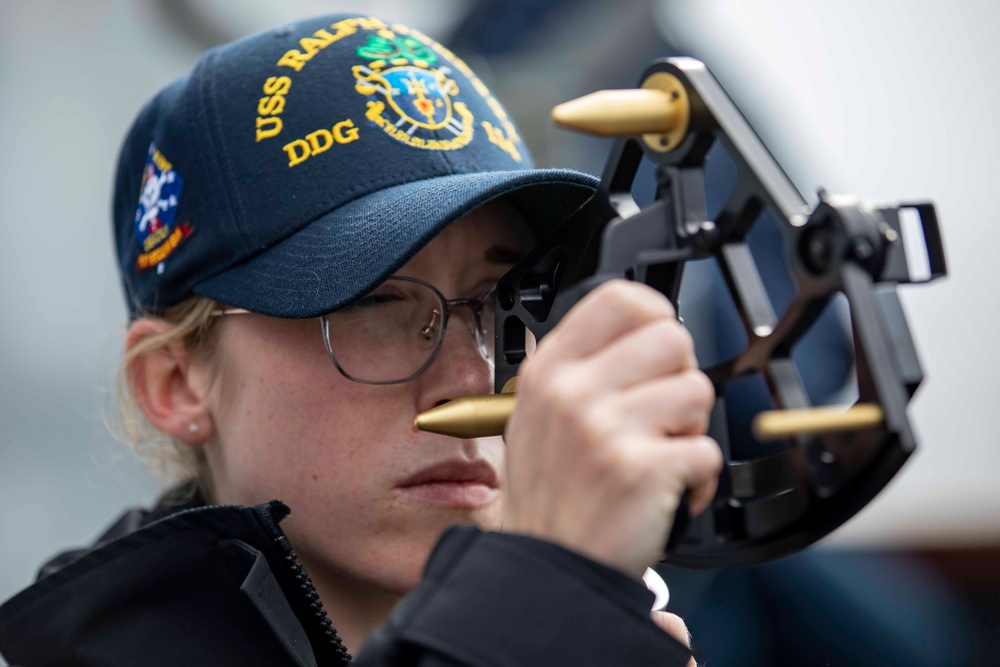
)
(478, 472)
(452, 484)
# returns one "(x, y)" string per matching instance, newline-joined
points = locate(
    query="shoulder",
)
(206, 574)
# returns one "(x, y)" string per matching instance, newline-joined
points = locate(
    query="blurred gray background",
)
(891, 99)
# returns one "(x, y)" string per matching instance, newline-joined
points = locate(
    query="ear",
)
(169, 387)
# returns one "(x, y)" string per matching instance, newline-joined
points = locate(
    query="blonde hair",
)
(193, 323)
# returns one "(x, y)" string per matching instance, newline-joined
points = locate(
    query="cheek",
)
(290, 427)
(279, 439)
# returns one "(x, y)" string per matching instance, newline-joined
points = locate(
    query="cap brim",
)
(347, 252)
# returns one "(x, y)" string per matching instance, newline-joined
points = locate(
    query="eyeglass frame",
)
(476, 306)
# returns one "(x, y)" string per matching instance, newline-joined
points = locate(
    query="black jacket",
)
(219, 585)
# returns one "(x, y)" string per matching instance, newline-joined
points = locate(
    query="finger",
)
(659, 347)
(679, 404)
(673, 625)
(688, 463)
(609, 311)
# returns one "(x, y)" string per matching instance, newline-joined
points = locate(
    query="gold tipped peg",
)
(614, 113)
(470, 416)
(775, 424)
(660, 111)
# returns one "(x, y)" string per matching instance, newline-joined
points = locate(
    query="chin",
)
(422, 541)
(406, 571)
(442, 518)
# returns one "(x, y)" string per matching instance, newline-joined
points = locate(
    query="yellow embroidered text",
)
(498, 138)
(149, 259)
(323, 38)
(162, 163)
(271, 105)
(320, 141)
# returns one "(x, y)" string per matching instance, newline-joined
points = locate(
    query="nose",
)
(469, 315)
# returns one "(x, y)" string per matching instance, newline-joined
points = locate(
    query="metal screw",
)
(818, 252)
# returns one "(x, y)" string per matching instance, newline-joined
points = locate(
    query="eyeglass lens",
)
(393, 333)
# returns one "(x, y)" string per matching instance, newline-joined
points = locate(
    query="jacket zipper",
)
(304, 585)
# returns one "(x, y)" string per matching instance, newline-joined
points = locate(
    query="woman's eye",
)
(374, 301)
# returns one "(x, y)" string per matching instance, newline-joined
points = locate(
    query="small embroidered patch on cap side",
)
(156, 233)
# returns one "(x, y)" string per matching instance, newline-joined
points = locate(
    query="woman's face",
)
(369, 494)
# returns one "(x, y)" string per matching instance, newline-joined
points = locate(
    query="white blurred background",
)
(889, 99)
(892, 100)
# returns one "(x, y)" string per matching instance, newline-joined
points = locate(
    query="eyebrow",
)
(503, 255)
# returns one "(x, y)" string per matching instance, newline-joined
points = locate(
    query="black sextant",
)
(837, 459)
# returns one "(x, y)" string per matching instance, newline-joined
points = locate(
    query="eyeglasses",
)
(394, 333)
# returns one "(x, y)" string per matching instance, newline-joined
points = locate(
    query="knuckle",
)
(702, 390)
(603, 438)
(712, 454)
(612, 459)
(685, 341)
(564, 393)
(608, 461)
(633, 302)
(682, 342)
(599, 424)
(678, 343)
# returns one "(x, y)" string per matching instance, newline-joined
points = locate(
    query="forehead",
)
(493, 234)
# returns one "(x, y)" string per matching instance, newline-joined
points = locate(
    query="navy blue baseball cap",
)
(295, 170)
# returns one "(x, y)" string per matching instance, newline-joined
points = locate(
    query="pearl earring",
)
(192, 428)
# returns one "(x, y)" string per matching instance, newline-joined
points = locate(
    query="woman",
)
(308, 228)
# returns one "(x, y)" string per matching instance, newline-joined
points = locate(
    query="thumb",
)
(674, 626)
